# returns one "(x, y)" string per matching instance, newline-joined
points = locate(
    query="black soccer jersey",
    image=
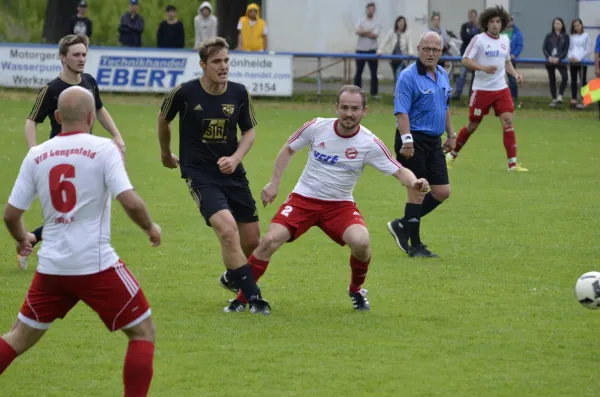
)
(208, 128)
(47, 100)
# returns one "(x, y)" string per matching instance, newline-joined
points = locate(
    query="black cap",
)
(82, 4)
(170, 8)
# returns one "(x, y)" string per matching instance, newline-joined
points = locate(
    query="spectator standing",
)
(397, 41)
(515, 36)
(80, 25)
(580, 46)
(556, 48)
(435, 26)
(131, 26)
(170, 32)
(252, 30)
(205, 24)
(367, 30)
(468, 30)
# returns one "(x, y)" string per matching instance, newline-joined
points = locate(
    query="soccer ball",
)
(587, 290)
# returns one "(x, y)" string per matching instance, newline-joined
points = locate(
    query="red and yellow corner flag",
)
(591, 92)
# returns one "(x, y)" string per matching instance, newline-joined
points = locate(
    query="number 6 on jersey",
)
(62, 191)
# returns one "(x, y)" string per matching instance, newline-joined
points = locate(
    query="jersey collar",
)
(492, 37)
(67, 133)
(335, 124)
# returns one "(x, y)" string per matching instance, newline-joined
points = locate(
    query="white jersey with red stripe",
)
(489, 51)
(335, 162)
(74, 175)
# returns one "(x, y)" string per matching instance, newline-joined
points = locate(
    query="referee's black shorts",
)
(428, 160)
(212, 198)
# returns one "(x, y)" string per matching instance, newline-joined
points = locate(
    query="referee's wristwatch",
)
(453, 136)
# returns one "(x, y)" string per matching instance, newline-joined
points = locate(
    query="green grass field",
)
(495, 316)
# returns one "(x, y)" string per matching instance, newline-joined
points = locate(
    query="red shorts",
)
(481, 102)
(113, 293)
(299, 213)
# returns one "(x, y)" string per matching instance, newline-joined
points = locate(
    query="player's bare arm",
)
(136, 209)
(408, 179)
(510, 69)
(408, 149)
(269, 192)
(13, 218)
(31, 133)
(227, 165)
(450, 141)
(168, 159)
(109, 125)
(472, 65)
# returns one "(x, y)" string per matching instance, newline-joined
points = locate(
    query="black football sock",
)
(242, 276)
(429, 204)
(38, 234)
(412, 216)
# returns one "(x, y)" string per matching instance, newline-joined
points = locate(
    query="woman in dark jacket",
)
(556, 48)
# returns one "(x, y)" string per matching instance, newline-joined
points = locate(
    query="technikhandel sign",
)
(131, 70)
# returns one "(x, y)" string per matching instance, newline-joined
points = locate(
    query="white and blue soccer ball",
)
(587, 290)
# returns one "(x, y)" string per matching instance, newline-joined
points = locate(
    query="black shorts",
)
(212, 198)
(428, 160)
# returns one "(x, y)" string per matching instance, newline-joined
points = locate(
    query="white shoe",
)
(23, 262)
(450, 160)
(559, 99)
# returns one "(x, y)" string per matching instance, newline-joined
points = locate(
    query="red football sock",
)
(258, 268)
(461, 140)
(359, 273)
(7, 355)
(137, 373)
(510, 144)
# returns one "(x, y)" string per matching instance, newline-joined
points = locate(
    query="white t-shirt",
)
(489, 51)
(73, 174)
(335, 162)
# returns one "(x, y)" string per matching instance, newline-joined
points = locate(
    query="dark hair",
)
(371, 4)
(70, 40)
(170, 8)
(210, 47)
(563, 30)
(398, 20)
(435, 14)
(573, 25)
(472, 11)
(493, 12)
(353, 90)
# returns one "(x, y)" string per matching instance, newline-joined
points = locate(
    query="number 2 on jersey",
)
(286, 210)
(62, 191)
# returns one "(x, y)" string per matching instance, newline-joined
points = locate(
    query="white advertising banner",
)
(143, 70)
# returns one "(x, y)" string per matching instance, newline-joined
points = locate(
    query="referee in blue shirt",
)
(421, 108)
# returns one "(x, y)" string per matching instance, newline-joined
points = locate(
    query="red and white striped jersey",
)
(74, 175)
(489, 51)
(335, 162)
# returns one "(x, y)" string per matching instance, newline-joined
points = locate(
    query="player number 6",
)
(286, 210)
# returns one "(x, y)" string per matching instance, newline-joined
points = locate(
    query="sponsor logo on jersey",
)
(325, 158)
(495, 53)
(228, 109)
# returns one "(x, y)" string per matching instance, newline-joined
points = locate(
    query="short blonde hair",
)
(70, 40)
(210, 47)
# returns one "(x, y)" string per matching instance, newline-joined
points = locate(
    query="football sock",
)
(412, 220)
(7, 355)
(38, 234)
(359, 273)
(258, 268)
(429, 204)
(242, 276)
(137, 373)
(510, 144)
(461, 140)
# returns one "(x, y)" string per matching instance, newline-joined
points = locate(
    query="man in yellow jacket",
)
(252, 30)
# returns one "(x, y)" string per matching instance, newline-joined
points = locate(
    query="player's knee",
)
(442, 193)
(360, 244)
(22, 337)
(228, 235)
(270, 243)
(415, 196)
(146, 330)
